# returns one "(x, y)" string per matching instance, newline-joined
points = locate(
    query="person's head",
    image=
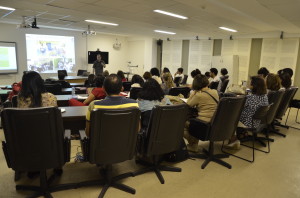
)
(263, 72)
(180, 70)
(61, 75)
(154, 71)
(200, 81)
(33, 87)
(137, 79)
(207, 74)
(224, 71)
(151, 91)
(99, 81)
(195, 73)
(99, 57)
(167, 78)
(120, 73)
(213, 72)
(166, 70)
(258, 85)
(273, 82)
(286, 80)
(147, 76)
(289, 71)
(105, 73)
(112, 84)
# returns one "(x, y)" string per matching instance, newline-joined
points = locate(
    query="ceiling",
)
(136, 17)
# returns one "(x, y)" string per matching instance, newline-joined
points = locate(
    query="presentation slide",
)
(49, 53)
(8, 58)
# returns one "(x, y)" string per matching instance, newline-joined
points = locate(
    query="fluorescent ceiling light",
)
(6, 8)
(171, 14)
(101, 22)
(164, 32)
(227, 29)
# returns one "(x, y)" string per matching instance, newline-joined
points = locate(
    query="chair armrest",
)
(85, 145)
(67, 145)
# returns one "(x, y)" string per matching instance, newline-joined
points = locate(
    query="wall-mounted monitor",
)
(92, 56)
(49, 53)
(8, 57)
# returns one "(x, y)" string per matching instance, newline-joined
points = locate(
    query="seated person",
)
(165, 70)
(148, 97)
(112, 86)
(155, 75)
(263, 72)
(90, 81)
(33, 92)
(207, 74)
(97, 93)
(137, 81)
(195, 73)
(286, 80)
(273, 82)
(257, 98)
(205, 100)
(167, 83)
(179, 73)
(147, 75)
(61, 80)
(105, 73)
(121, 75)
(224, 76)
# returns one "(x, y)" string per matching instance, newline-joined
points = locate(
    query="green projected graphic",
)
(4, 61)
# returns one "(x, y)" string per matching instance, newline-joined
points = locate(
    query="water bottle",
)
(73, 92)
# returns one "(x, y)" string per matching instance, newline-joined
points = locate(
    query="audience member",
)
(147, 75)
(286, 70)
(195, 72)
(224, 76)
(179, 73)
(167, 83)
(205, 100)
(263, 72)
(286, 80)
(16, 88)
(105, 73)
(121, 75)
(273, 82)
(155, 75)
(137, 81)
(207, 74)
(61, 80)
(89, 82)
(112, 86)
(214, 75)
(165, 70)
(33, 92)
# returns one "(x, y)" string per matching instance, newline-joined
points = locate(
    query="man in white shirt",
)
(215, 78)
(179, 73)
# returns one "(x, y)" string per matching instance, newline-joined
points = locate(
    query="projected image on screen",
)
(8, 58)
(47, 53)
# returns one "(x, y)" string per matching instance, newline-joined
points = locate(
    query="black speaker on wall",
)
(159, 42)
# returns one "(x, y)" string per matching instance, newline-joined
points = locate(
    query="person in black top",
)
(61, 80)
(98, 65)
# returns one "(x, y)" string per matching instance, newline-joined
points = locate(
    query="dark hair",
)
(200, 81)
(166, 70)
(154, 71)
(289, 71)
(151, 91)
(224, 71)
(147, 75)
(61, 75)
(112, 84)
(137, 79)
(99, 81)
(105, 73)
(273, 82)
(263, 71)
(286, 80)
(91, 78)
(258, 85)
(214, 70)
(195, 72)
(33, 87)
(120, 73)
(180, 70)
(207, 74)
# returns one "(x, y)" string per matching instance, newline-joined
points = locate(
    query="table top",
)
(68, 97)
(4, 92)
(5, 87)
(70, 77)
(77, 84)
(74, 112)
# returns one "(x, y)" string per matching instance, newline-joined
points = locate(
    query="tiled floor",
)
(273, 175)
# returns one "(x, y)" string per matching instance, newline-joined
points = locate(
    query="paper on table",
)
(184, 100)
(63, 110)
(81, 97)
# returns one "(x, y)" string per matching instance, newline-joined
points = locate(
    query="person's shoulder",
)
(129, 100)
(48, 94)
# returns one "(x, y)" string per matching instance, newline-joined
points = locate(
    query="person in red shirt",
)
(121, 75)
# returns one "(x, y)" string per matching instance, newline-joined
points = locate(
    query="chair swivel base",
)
(109, 181)
(157, 168)
(208, 156)
(44, 189)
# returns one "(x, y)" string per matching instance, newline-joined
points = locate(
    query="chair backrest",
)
(285, 102)
(214, 85)
(177, 81)
(175, 91)
(34, 138)
(225, 119)
(80, 72)
(62, 71)
(165, 130)
(113, 134)
(274, 98)
(126, 86)
(184, 80)
(134, 91)
(224, 85)
(55, 88)
(261, 114)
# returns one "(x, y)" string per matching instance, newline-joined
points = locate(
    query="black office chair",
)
(224, 85)
(175, 91)
(221, 128)
(214, 85)
(55, 89)
(80, 72)
(134, 92)
(164, 135)
(35, 141)
(111, 143)
(284, 105)
(184, 80)
(177, 81)
(295, 104)
(126, 86)
(62, 71)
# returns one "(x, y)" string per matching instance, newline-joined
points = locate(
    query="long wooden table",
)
(62, 100)
(72, 79)
(74, 118)
(68, 91)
